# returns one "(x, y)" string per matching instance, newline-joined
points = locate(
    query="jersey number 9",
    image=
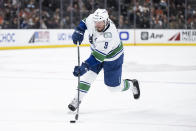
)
(106, 45)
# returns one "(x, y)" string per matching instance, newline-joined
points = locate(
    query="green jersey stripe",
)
(100, 57)
(84, 87)
(115, 51)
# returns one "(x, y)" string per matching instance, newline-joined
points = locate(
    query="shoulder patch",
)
(107, 35)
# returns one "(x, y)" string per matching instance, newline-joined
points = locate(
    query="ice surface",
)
(37, 85)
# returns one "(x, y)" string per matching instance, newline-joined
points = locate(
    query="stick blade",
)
(72, 121)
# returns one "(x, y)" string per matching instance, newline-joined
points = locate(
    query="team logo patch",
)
(107, 35)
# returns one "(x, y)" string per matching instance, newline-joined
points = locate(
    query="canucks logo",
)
(107, 35)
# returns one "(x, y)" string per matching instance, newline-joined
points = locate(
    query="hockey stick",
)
(78, 89)
(77, 114)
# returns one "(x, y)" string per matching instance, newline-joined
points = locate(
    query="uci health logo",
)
(64, 36)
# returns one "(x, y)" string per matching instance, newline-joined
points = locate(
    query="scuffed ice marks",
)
(137, 67)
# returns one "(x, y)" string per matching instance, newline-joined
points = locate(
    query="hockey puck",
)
(72, 121)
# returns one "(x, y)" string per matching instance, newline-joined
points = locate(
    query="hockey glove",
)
(80, 70)
(78, 35)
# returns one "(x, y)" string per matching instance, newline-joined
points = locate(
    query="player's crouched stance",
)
(107, 54)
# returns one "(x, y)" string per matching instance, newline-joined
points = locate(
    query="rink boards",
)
(29, 38)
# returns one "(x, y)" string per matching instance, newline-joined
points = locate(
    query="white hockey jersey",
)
(106, 45)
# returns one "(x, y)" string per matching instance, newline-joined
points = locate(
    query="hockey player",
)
(106, 53)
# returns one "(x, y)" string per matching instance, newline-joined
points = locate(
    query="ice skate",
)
(135, 88)
(74, 104)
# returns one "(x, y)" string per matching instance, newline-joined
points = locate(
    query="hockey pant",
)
(112, 76)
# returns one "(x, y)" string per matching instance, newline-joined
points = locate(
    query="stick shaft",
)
(77, 114)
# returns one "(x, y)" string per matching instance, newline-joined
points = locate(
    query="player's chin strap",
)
(107, 25)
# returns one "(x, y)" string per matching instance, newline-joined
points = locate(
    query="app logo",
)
(144, 35)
